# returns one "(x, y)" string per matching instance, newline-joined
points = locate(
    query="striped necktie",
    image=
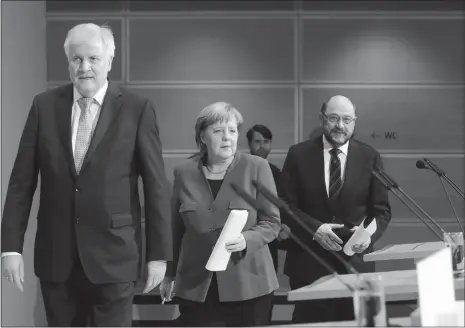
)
(335, 177)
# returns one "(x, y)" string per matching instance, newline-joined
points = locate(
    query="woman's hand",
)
(284, 233)
(236, 245)
(166, 289)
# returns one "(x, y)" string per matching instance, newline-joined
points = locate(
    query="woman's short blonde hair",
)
(216, 112)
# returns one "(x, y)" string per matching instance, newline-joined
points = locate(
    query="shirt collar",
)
(327, 146)
(98, 97)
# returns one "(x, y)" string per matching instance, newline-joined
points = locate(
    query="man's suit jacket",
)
(275, 244)
(94, 216)
(199, 219)
(302, 186)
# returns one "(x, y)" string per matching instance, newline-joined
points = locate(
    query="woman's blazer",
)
(198, 220)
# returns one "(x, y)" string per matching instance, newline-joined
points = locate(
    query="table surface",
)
(404, 251)
(398, 286)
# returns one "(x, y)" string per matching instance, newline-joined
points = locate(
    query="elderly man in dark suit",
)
(90, 141)
(328, 183)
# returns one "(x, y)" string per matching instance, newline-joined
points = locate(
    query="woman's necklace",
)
(220, 172)
(208, 169)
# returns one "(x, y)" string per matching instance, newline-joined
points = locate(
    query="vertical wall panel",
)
(211, 50)
(23, 75)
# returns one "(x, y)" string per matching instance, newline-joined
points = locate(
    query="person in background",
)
(201, 203)
(89, 141)
(327, 182)
(259, 138)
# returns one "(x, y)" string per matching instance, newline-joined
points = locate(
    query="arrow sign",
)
(374, 135)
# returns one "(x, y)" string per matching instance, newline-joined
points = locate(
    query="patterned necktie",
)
(335, 182)
(83, 132)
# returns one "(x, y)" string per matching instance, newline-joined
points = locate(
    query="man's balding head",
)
(339, 102)
(337, 118)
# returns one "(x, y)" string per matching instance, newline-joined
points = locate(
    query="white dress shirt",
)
(327, 160)
(75, 114)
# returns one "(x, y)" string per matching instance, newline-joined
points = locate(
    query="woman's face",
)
(221, 139)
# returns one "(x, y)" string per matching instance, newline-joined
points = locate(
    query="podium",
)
(414, 251)
(398, 286)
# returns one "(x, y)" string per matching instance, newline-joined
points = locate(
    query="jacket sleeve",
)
(379, 206)
(22, 186)
(178, 228)
(267, 227)
(289, 190)
(156, 188)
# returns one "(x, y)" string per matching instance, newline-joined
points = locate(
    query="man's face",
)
(260, 146)
(89, 64)
(338, 122)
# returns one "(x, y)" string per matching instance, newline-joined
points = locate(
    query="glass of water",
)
(369, 303)
(454, 240)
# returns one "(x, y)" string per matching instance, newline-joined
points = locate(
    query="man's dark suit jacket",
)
(198, 220)
(275, 244)
(95, 215)
(302, 186)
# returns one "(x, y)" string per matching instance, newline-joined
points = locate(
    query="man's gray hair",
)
(104, 31)
(216, 112)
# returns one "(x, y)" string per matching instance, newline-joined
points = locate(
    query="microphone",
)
(434, 167)
(393, 187)
(422, 165)
(442, 174)
(253, 202)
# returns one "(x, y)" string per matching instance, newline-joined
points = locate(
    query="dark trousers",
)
(337, 309)
(213, 313)
(78, 303)
(273, 246)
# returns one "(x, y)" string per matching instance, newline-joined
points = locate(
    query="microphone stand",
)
(281, 204)
(443, 174)
(392, 186)
(427, 164)
(451, 204)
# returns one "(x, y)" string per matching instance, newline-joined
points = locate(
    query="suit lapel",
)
(110, 107)
(317, 157)
(63, 110)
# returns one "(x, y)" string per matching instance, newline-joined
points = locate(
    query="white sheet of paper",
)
(436, 288)
(219, 257)
(360, 236)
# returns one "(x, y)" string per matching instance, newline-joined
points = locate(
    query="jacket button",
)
(77, 189)
(334, 218)
(77, 220)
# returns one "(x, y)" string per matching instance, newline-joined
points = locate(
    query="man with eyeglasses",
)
(327, 182)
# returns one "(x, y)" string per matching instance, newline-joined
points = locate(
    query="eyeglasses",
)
(333, 118)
